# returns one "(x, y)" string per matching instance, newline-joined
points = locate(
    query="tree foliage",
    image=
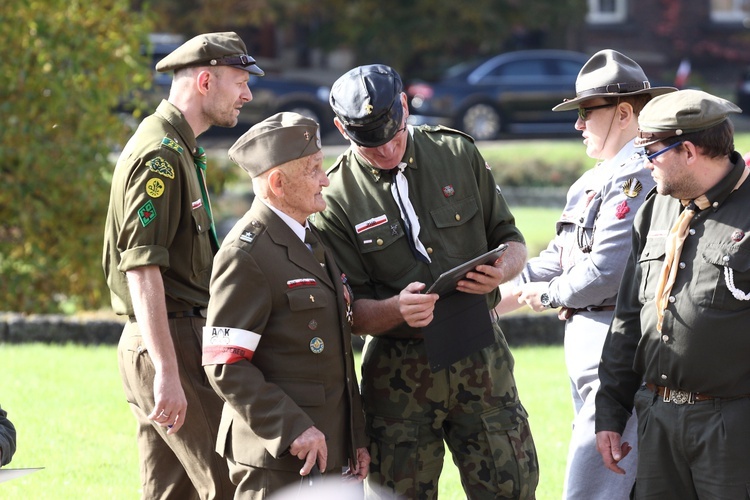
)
(67, 65)
(419, 37)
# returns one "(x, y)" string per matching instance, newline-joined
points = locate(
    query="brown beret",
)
(276, 140)
(211, 49)
(679, 113)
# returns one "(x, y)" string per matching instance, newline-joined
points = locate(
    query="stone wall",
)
(519, 329)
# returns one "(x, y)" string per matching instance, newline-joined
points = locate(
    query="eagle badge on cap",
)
(368, 108)
(632, 187)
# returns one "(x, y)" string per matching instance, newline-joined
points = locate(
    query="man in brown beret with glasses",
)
(678, 346)
(277, 341)
(159, 243)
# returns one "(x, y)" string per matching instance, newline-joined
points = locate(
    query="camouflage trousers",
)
(472, 406)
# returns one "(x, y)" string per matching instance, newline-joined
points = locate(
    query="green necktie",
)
(200, 169)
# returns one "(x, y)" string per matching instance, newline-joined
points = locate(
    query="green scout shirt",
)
(156, 214)
(704, 345)
(461, 212)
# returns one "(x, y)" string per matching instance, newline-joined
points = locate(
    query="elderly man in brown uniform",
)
(277, 341)
(158, 249)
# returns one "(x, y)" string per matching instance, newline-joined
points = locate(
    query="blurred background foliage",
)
(66, 65)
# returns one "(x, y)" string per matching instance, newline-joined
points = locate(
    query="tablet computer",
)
(447, 281)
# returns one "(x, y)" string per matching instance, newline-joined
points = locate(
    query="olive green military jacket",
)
(704, 345)
(267, 283)
(460, 208)
(156, 214)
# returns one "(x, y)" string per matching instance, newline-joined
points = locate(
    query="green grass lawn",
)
(72, 419)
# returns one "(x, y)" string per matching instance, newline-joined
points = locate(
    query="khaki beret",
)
(211, 49)
(276, 140)
(680, 113)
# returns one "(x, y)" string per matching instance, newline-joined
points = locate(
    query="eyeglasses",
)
(583, 112)
(662, 151)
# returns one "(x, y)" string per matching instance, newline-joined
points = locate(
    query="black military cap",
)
(367, 100)
(211, 49)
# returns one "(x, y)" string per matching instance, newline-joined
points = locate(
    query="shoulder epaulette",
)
(172, 144)
(446, 130)
(341, 160)
(250, 234)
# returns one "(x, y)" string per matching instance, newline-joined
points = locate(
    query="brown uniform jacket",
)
(266, 281)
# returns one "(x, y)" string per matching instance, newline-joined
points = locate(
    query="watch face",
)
(544, 299)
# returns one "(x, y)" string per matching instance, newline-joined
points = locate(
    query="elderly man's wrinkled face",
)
(304, 180)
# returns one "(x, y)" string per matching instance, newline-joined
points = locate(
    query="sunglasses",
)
(583, 113)
(651, 156)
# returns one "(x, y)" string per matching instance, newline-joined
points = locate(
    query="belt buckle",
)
(679, 397)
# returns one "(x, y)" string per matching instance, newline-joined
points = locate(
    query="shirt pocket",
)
(202, 255)
(650, 262)
(719, 262)
(386, 252)
(460, 228)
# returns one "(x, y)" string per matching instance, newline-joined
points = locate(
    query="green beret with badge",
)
(680, 113)
(211, 49)
(276, 140)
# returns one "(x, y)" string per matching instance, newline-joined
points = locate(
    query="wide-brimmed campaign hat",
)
(610, 74)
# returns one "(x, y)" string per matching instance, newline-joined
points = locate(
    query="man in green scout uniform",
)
(277, 341)
(159, 243)
(404, 205)
(678, 346)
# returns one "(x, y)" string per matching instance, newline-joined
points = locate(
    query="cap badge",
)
(368, 108)
(317, 345)
(632, 187)
(448, 191)
(737, 235)
(307, 135)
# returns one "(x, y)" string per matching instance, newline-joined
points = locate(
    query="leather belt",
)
(567, 312)
(195, 312)
(681, 397)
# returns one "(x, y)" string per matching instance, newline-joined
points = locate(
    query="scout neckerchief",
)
(200, 169)
(400, 192)
(673, 248)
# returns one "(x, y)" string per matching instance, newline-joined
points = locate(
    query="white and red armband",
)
(224, 346)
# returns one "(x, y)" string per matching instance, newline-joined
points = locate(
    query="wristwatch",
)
(545, 300)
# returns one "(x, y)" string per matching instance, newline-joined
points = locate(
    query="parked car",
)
(510, 93)
(743, 91)
(271, 93)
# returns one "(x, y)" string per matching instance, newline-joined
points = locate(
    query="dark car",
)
(271, 93)
(510, 93)
(743, 91)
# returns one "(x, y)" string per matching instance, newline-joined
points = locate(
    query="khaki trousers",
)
(183, 465)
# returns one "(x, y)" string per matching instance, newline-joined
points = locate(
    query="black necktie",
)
(315, 247)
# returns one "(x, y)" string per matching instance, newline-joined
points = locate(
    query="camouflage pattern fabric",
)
(472, 406)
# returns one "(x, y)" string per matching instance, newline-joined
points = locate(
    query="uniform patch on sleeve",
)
(224, 346)
(161, 167)
(172, 144)
(147, 213)
(154, 187)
